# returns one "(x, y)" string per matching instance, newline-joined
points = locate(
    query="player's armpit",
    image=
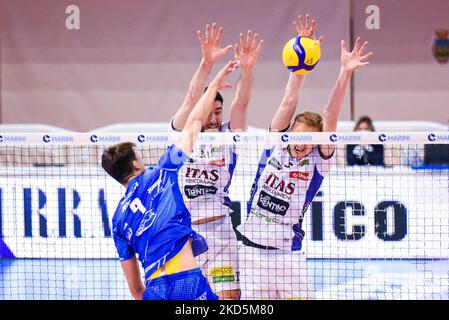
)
(326, 151)
(132, 274)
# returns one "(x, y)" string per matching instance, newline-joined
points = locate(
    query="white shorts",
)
(219, 263)
(273, 274)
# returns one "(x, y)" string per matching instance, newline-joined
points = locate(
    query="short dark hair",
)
(218, 96)
(367, 120)
(117, 161)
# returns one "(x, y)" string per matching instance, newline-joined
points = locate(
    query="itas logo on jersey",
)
(218, 163)
(299, 175)
(200, 182)
(272, 204)
(276, 183)
(194, 173)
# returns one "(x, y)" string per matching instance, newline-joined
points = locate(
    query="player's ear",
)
(136, 165)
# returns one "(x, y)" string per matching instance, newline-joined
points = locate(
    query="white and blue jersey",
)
(284, 188)
(206, 177)
(151, 219)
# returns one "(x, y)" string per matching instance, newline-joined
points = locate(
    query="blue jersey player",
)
(152, 221)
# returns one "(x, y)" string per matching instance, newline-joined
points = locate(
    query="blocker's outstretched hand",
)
(210, 44)
(351, 61)
(248, 51)
(307, 28)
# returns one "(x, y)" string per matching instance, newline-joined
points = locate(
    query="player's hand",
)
(351, 61)
(210, 45)
(306, 28)
(220, 78)
(248, 51)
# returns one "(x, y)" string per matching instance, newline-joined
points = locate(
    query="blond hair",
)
(311, 119)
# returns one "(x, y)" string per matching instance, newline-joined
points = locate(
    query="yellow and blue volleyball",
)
(301, 54)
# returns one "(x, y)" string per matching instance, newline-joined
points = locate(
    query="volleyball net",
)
(377, 228)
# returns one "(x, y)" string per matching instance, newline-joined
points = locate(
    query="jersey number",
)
(136, 205)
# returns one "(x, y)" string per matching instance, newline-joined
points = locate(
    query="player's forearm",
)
(196, 89)
(332, 110)
(286, 110)
(137, 293)
(132, 275)
(204, 105)
(197, 117)
(239, 106)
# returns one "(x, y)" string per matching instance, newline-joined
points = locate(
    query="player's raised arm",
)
(350, 61)
(247, 53)
(211, 53)
(203, 107)
(282, 118)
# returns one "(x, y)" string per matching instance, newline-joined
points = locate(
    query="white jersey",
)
(282, 192)
(205, 179)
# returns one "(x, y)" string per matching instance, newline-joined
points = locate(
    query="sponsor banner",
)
(358, 213)
(58, 217)
(228, 138)
(343, 138)
(155, 138)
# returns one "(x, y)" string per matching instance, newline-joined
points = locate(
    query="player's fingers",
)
(366, 56)
(231, 66)
(226, 69)
(200, 36)
(249, 39)
(207, 32)
(313, 26)
(300, 22)
(362, 64)
(214, 31)
(242, 41)
(219, 35)
(343, 46)
(254, 42)
(307, 21)
(357, 45)
(321, 40)
(228, 48)
(236, 50)
(363, 48)
(260, 46)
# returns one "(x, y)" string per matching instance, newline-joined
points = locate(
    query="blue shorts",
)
(185, 285)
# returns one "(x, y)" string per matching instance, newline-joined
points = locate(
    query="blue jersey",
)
(151, 219)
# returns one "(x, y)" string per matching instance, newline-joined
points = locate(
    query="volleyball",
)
(301, 54)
